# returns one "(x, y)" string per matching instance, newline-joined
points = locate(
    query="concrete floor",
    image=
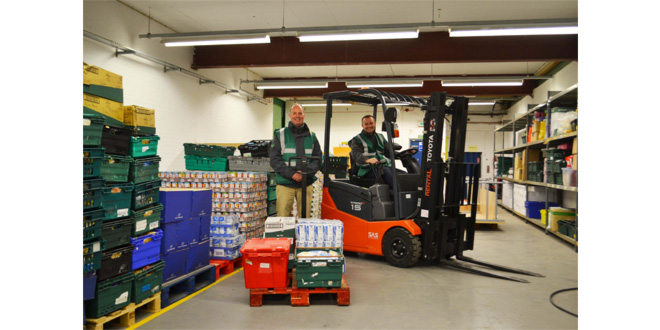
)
(422, 297)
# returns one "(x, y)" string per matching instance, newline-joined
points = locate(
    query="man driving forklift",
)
(368, 150)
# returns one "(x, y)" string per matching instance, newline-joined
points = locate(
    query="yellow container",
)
(544, 217)
(111, 110)
(142, 120)
(93, 75)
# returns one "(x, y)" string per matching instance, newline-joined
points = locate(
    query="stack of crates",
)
(206, 157)
(535, 171)
(106, 203)
(272, 194)
(554, 163)
(503, 165)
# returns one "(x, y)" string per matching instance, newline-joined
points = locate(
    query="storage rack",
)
(567, 96)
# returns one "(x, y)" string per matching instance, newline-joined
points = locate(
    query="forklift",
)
(419, 217)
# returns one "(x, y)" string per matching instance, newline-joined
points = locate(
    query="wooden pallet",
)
(187, 284)
(300, 296)
(226, 266)
(126, 315)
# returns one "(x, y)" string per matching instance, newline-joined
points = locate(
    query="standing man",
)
(295, 140)
(368, 148)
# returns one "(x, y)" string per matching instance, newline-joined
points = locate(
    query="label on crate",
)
(122, 212)
(96, 247)
(141, 225)
(319, 264)
(144, 149)
(264, 265)
(122, 298)
(153, 225)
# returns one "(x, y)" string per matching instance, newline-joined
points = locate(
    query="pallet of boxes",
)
(121, 213)
(298, 258)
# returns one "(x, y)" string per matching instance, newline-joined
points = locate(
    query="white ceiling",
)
(203, 16)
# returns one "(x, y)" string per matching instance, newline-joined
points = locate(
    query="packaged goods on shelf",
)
(319, 233)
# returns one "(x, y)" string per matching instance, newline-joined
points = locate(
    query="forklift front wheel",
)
(401, 248)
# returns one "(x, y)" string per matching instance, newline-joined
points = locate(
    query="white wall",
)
(185, 110)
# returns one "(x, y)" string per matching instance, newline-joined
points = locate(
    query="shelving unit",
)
(568, 96)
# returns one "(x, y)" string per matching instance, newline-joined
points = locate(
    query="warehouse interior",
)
(220, 104)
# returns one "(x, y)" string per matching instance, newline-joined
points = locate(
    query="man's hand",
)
(297, 177)
(372, 161)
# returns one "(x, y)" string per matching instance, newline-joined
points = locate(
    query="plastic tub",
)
(265, 262)
(569, 176)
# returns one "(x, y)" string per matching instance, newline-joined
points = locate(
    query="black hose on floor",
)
(560, 291)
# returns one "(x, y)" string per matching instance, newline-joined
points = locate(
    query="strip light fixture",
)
(324, 104)
(482, 103)
(522, 31)
(479, 83)
(385, 83)
(359, 36)
(290, 85)
(213, 42)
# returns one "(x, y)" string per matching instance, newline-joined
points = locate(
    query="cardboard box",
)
(93, 75)
(177, 204)
(169, 241)
(142, 120)
(112, 111)
(175, 264)
(282, 227)
(201, 202)
(575, 162)
(198, 256)
(575, 145)
(204, 227)
(517, 162)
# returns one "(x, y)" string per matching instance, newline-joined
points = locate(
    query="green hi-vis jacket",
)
(288, 147)
(371, 151)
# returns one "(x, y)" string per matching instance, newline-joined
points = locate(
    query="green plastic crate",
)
(92, 193)
(319, 272)
(110, 295)
(534, 166)
(92, 224)
(92, 129)
(117, 200)
(92, 160)
(272, 193)
(144, 169)
(566, 228)
(145, 194)
(555, 166)
(143, 146)
(207, 150)
(272, 182)
(339, 174)
(146, 219)
(115, 168)
(272, 207)
(117, 232)
(148, 281)
(503, 165)
(92, 255)
(200, 163)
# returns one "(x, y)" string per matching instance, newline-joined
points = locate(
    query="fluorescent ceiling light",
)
(477, 83)
(290, 85)
(380, 84)
(395, 103)
(211, 42)
(482, 103)
(527, 31)
(324, 104)
(359, 36)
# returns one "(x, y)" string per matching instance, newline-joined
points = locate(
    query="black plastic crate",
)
(116, 141)
(146, 194)
(115, 262)
(117, 232)
(256, 148)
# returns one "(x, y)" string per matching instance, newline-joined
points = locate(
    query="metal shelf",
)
(541, 184)
(538, 222)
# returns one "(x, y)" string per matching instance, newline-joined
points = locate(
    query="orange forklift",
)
(419, 218)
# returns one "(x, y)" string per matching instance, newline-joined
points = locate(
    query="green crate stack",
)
(535, 171)
(93, 244)
(503, 165)
(207, 157)
(272, 194)
(553, 169)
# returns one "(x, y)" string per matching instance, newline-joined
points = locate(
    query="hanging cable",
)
(560, 291)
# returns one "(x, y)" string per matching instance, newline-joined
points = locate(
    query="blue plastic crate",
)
(146, 249)
(533, 209)
(89, 285)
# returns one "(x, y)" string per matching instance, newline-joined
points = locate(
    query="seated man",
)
(368, 148)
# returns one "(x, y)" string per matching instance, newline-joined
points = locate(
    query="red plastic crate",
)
(265, 262)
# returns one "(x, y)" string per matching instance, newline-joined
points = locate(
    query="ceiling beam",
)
(430, 47)
(429, 86)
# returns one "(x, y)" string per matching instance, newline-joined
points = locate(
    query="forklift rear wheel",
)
(401, 248)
